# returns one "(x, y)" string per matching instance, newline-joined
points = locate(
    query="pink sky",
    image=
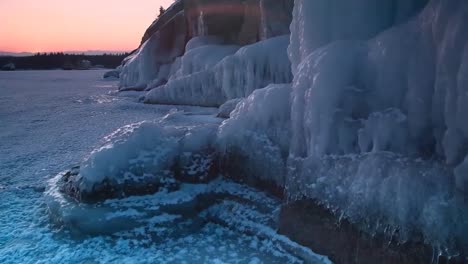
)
(75, 25)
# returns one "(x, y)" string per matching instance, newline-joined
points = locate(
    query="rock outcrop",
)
(231, 22)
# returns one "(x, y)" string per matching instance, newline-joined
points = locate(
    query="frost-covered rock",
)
(254, 142)
(145, 157)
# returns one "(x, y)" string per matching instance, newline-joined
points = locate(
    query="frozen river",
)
(50, 121)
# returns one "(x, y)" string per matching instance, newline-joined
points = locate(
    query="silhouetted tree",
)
(161, 11)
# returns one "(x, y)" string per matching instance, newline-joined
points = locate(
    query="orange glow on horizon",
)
(75, 25)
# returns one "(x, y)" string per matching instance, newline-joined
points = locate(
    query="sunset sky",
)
(75, 25)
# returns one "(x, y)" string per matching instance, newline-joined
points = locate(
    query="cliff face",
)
(238, 21)
(369, 120)
(203, 49)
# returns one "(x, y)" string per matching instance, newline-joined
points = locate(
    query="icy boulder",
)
(144, 157)
(254, 142)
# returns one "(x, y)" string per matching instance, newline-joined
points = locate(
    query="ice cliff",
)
(362, 107)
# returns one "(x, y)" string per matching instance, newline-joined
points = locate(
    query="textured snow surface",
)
(199, 80)
(365, 113)
(52, 120)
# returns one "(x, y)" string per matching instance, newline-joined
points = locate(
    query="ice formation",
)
(199, 81)
(365, 111)
(255, 140)
(376, 109)
(144, 65)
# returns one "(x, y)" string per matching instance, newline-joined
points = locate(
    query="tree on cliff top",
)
(161, 11)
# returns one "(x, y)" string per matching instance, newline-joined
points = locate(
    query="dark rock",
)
(233, 165)
(196, 167)
(236, 21)
(314, 226)
(70, 182)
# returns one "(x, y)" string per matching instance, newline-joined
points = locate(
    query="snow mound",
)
(255, 140)
(196, 78)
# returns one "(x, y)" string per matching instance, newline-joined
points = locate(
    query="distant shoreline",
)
(53, 61)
